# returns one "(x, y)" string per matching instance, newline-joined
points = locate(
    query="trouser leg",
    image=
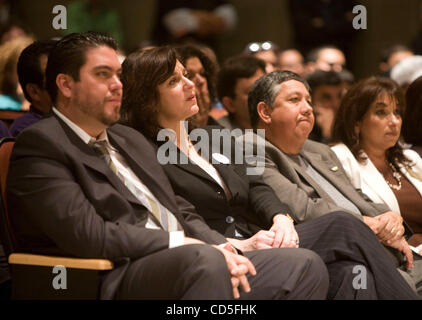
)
(186, 272)
(340, 236)
(287, 273)
(414, 276)
(343, 275)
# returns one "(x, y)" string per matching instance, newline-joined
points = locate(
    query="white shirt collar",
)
(79, 131)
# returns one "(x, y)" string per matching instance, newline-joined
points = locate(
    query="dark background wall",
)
(389, 22)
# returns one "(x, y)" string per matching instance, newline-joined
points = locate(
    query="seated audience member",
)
(10, 92)
(407, 71)
(158, 95)
(115, 201)
(31, 71)
(307, 175)
(291, 60)
(11, 30)
(412, 124)
(266, 51)
(366, 135)
(202, 71)
(327, 91)
(217, 109)
(325, 58)
(4, 131)
(235, 78)
(347, 79)
(193, 21)
(391, 56)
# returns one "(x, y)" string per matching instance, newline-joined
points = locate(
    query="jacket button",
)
(229, 219)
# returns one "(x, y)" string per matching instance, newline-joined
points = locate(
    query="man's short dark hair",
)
(323, 78)
(388, 52)
(266, 89)
(234, 68)
(29, 64)
(69, 55)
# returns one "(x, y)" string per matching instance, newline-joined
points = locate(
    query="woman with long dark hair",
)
(366, 134)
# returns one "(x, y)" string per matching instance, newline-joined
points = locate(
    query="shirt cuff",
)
(177, 238)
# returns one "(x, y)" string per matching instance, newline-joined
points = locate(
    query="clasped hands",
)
(238, 265)
(389, 229)
(282, 234)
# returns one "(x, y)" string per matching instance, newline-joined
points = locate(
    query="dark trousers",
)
(350, 249)
(200, 272)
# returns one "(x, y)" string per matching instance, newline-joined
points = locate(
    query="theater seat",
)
(40, 276)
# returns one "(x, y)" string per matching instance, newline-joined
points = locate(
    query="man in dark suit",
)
(82, 185)
(307, 175)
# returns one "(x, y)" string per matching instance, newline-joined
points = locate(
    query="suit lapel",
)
(301, 171)
(226, 173)
(90, 159)
(332, 173)
(146, 171)
(373, 177)
(223, 169)
(328, 169)
(187, 165)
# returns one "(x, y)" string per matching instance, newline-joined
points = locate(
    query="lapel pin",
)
(220, 158)
(335, 168)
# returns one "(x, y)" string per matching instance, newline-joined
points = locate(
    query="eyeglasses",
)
(260, 46)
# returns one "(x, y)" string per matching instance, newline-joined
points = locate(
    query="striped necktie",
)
(165, 218)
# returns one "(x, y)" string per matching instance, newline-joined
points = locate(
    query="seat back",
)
(7, 237)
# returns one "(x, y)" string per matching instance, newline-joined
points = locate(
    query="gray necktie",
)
(166, 219)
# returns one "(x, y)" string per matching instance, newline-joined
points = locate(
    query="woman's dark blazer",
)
(253, 203)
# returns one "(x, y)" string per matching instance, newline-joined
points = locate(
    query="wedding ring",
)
(392, 230)
(295, 241)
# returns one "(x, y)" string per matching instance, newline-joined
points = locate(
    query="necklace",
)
(396, 176)
(191, 148)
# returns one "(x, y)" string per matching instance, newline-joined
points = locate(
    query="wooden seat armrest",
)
(50, 261)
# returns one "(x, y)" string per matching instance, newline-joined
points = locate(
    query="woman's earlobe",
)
(357, 129)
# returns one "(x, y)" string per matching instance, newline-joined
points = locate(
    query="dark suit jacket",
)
(66, 200)
(253, 203)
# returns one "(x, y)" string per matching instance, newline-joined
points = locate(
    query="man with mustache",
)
(307, 175)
